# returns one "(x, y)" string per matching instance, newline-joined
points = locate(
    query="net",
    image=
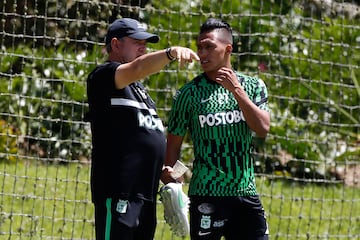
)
(307, 52)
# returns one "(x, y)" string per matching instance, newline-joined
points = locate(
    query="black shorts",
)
(125, 220)
(234, 218)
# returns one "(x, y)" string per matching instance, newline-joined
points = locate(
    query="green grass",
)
(53, 202)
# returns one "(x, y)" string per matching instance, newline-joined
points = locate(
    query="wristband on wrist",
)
(168, 54)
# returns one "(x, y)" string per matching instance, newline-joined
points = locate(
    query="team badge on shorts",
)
(121, 206)
(205, 222)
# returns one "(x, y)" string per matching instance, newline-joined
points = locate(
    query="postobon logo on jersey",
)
(221, 118)
(150, 122)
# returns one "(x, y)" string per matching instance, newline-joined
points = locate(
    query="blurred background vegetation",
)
(307, 52)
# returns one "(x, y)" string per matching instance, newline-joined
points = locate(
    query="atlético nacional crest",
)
(205, 222)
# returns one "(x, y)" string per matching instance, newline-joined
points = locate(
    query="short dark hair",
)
(214, 23)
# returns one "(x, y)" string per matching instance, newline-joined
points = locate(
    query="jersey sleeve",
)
(261, 96)
(180, 112)
(102, 79)
(100, 85)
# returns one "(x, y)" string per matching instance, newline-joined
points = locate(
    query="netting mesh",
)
(307, 52)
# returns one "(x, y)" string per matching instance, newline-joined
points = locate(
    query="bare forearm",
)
(172, 155)
(149, 64)
(257, 119)
(172, 149)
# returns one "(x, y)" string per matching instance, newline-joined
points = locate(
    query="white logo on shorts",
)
(206, 208)
(219, 223)
(121, 206)
(205, 222)
(203, 233)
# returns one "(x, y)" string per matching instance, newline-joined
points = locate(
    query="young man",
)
(127, 134)
(221, 108)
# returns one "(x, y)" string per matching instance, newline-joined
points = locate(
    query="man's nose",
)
(142, 47)
(201, 53)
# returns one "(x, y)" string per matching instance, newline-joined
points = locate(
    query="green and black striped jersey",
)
(222, 139)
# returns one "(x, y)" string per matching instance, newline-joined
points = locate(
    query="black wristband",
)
(168, 54)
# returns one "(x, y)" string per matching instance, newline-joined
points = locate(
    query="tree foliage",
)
(308, 56)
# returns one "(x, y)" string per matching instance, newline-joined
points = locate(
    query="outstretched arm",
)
(151, 63)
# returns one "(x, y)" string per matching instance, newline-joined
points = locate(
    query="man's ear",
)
(229, 49)
(115, 43)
